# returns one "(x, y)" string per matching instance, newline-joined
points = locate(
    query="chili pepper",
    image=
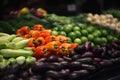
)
(40, 41)
(50, 39)
(45, 33)
(41, 51)
(64, 49)
(61, 38)
(52, 46)
(38, 27)
(74, 45)
(22, 31)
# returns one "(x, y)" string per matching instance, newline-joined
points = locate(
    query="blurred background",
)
(60, 7)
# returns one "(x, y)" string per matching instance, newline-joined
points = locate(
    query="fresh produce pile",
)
(81, 64)
(114, 12)
(53, 47)
(80, 33)
(106, 20)
(44, 43)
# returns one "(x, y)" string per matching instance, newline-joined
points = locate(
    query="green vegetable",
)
(3, 34)
(3, 64)
(12, 61)
(9, 37)
(21, 44)
(20, 59)
(15, 53)
(1, 58)
(17, 39)
(30, 59)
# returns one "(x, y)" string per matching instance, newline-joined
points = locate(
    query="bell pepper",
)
(61, 38)
(40, 41)
(52, 47)
(41, 51)
(50, 39)
(45, 33)
(64, 49)
(38, 27)
(32, 42)
(74, 45)
(34, 33)
(22, 31)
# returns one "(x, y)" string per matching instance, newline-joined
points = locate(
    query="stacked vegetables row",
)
(106, 20)
(80, 33)
(13, 51)
(81, 64)
(44, 43)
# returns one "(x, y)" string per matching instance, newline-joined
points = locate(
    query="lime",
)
(82, 26)
(84, 39)
(69, 40)
(77, 33)
(67, 29)
(72, 35)
(62, 33)
(104, 40)
(98, 32)
(90, 37)
(104, 32)
(76, 28)
(60, 28)
(55, 28)
(97, 41)
(77, 40)
(55, 33)
(110, 38)
(115, 38)
(84, 32)
(90, 29)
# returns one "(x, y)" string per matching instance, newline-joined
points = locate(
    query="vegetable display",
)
(82, 64)
(44, 43)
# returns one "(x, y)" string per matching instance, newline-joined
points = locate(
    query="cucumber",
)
(15, 53)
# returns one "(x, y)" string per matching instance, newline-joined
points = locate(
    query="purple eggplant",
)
(89, 67)
(86, 60)
(65, 73)
(64, 64)
(76, 57)
(75, 66)
(87, 54)
(80, 49)
(53, 74)
(53, 58)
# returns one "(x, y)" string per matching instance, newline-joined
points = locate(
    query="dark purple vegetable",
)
(97, 59)
(24, 74)
(9, 77)
(56, 66)
(115, 54)
(53, 58)
(105, 63)
(67, 58)
(40, 68)
(76, 57)
(89, 67)
(60, 59)
(65, 73)
(42, 59)
(35, 77)
(80, 49)
(78, 75)
(87, 54)
(85, 60)
(64, 64)
(75, 66)
(88, 45)
(53, 74)
(72, 53)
